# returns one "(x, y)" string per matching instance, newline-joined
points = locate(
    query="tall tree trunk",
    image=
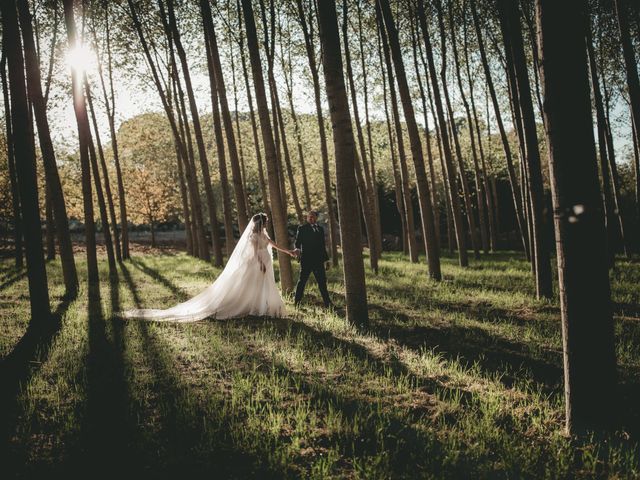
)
(364, 181)
(50, 229)
(427, 133)
(54, 187)
(110, 106)
(446, 146)
(254, 126)
(479, 184)
(510, 20)
(287, 71)
(279, 216)
(105, 173)
(214, 84)
(191, 171)
(406, 202)
(84, 135)
(633, 82)
(25, 167)
(609, 213)
(307, 29)
(197, 129)
(102, 206)
(354, 279)
(13, 179)
(485, 187)
(587, 324)
(517, 200)
(466, 195)
(234, 160)
(372, 163)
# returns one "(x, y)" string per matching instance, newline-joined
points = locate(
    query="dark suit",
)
(310, 241)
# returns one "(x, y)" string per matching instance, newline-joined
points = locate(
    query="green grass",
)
(461, 378)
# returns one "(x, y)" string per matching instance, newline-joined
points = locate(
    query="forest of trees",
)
(460, 126)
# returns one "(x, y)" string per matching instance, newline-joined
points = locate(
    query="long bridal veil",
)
(240, 289)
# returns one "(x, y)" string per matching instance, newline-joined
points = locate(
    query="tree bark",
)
(197, 129)
(446, 146)
(609, 203)
(191, 172)
(354, 279)
(466, 195)
(406, 202)
(55, 195)
(307, 30)
(234, 160)
(25, 167)
(214, 88)
(364, 181)
(105, 173)
(587, 324)
(517, 200)
(82, 121)
(512, 33)
(110, 106)
(278, 208)
(13, 179)
(254, 127)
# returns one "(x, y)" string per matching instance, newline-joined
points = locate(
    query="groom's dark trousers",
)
(310, 241)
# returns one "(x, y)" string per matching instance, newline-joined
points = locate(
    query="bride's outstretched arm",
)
(283, 250)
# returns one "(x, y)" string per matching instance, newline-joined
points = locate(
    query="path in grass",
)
(461, 378)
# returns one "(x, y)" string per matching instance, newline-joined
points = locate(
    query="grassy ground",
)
(461, 378)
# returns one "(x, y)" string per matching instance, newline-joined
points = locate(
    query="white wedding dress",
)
(246, 286)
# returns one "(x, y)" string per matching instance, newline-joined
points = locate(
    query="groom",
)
(310, 248)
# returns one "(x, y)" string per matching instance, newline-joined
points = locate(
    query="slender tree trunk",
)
(105, 173)
(84, 135)
(633, 82)
(191, 171)
(514, 45)
(307, 29)
(287, 70)
(110, 107)
(279, 216)
(50, 229)
(254, 126)
(102, 206)
(485, 187)
(466, 195)
(585, 304)
(234, 160)
(425, 113)
(197, 129)
(354, 278)
(451, 175)
(25, 167)
(517, 200)
(484, 233)
(13, 179)
(214, 84)
(364, 181)
(607, 196)
(372, 164)
(406, 204)
(55, 196)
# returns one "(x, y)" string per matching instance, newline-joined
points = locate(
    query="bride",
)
(246, 286)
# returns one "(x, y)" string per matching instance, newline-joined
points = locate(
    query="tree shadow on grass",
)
(177, 448)
(105, 444)
(17, 368)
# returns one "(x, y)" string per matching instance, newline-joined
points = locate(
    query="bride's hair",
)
(259, 222)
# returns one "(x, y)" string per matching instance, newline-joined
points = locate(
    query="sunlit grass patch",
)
(461, 378)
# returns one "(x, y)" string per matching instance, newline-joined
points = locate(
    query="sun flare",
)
(80, 58)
